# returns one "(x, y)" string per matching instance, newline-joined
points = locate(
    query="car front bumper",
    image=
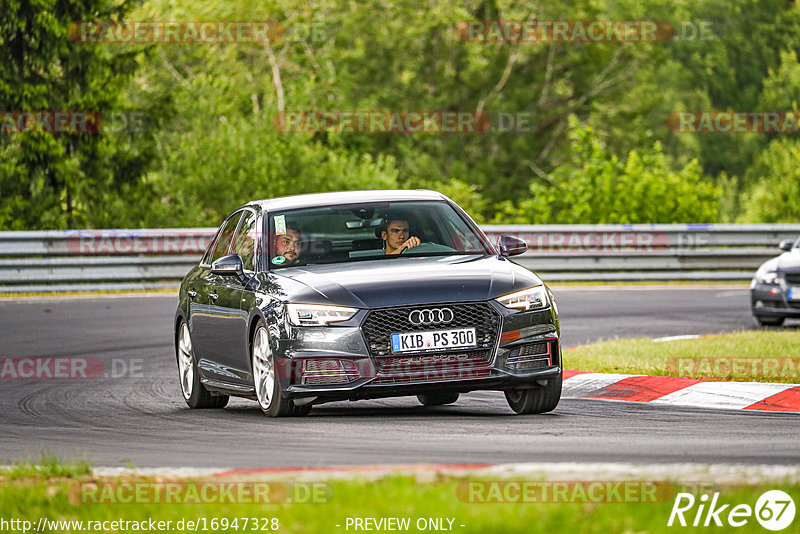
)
(770, 300)
(525, 353)
(366, 389)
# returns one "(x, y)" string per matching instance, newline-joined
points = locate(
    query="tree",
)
(54, 180)
(595, 187)
(775, 175)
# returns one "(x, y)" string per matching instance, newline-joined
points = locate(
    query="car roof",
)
(346, 197)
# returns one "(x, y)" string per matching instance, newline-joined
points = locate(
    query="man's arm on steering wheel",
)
(411, 242)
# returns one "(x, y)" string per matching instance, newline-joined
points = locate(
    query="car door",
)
(227, 321)
(230, 320)
(207, 313)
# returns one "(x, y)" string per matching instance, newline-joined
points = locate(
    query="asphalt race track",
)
(138, 415)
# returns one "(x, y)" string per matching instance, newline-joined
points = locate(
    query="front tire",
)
(194, 393)
(438, 399)
(265, 380)
(535, 400)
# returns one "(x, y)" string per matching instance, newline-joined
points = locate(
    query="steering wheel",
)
(421, 243)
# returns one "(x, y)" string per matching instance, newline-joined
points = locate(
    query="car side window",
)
(225, 237)
(246, 240)
(210, 248)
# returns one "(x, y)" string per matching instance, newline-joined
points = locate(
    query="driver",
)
(396, 236)
(288, 246)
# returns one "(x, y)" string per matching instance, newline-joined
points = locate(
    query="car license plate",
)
(457, 338)
(794, 293)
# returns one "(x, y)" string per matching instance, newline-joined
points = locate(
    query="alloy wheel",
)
(185, 361)
(263, 368)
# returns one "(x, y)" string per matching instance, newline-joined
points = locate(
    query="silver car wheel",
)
(263, 368)
(185, 362)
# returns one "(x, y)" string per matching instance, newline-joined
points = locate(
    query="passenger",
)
(396, 234)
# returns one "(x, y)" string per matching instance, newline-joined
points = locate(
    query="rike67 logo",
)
(774, 510)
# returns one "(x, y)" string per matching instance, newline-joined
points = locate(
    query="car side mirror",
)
(230, 265)
(508, 245)
(786, 245)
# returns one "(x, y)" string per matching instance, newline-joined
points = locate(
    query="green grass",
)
(733, 284)
(51, 494)
(762, 356)
(47, 467)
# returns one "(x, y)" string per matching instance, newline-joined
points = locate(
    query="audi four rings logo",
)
(433, 316)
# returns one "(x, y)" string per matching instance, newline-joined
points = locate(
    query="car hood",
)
(405, 281)
(788, 261)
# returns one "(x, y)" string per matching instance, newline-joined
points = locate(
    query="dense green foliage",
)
(54, 180)
(593, 186)
(596, 147)
(775, 176)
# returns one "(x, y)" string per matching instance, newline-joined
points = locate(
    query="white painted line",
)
(732, 395)
(181, 472)
(586, 383)
(749, 474)
(676, 338)
(732, 294)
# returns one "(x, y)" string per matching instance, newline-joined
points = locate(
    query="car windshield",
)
(381, 230)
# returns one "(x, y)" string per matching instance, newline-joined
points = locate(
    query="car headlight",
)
(527, 299)
(766, 277)
(318, 314)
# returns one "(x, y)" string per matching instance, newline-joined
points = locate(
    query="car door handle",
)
(213, 296)
(192, 293)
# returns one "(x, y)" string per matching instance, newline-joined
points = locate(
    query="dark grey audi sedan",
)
(775, 289)
(315, 298)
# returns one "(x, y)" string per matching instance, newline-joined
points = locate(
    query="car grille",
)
(449, 375)
(449, 361)
(792, 278)
(531, 356)
(381, 324)
(328, 371)
(429, 367)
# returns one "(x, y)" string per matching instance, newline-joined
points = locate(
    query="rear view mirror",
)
(364, 223)
(786, 245)
(509, 245)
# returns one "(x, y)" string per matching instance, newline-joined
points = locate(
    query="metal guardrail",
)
(134, 259)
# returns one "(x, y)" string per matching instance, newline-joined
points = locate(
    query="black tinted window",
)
(344, 233)
(210, 248)
(225, 237)
(246, 240)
